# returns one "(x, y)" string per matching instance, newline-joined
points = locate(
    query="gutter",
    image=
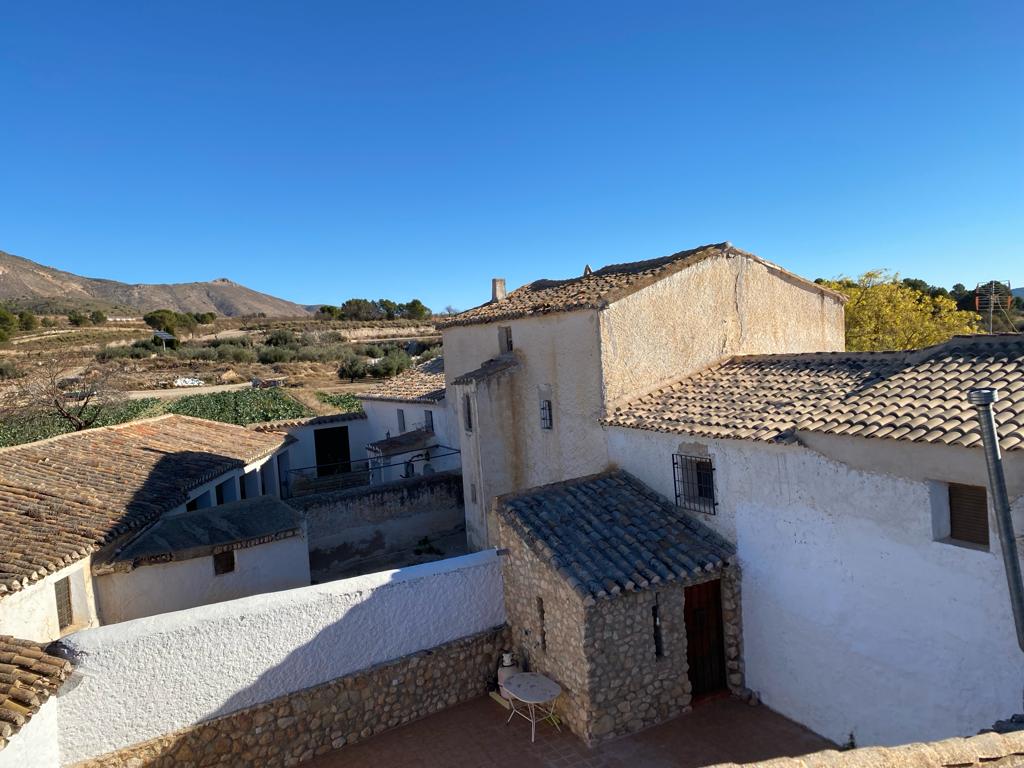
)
(982, 399)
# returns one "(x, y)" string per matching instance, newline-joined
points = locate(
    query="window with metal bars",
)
(467, 413)
(223, 562)
(62, 593)
(968, 514)
(547, 419)
(694, 478)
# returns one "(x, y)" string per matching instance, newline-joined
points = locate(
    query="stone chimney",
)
(497, 289)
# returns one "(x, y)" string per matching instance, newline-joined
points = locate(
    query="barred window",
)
(223, 562)
(467, 413)
(62, 593)
(695, 483)
(547, 419)
(968, 514)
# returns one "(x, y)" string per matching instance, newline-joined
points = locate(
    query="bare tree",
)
(57, 385)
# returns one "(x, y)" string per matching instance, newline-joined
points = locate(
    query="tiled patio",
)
(474, 735)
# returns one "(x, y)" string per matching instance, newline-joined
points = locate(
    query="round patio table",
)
(538, 693)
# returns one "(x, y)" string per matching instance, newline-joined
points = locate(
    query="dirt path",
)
(176, 392)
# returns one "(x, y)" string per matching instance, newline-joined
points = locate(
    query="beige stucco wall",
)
(508, 451)
(31, 613)
(719, 307)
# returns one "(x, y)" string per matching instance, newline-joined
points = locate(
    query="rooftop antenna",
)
(994, 297)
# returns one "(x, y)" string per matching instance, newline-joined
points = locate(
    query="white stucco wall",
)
(36, 745)
(178, 669)
(854, 619)
(708, 311)
(31, 613)
(303, 452)
(164, 587)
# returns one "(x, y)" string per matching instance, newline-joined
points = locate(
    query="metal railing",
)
(374, 470)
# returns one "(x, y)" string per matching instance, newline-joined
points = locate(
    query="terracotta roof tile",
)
(918, 396)
(28, 676)
(493, 367)
(63, 498)
(609, 532)
(597, 289)
(423, 383)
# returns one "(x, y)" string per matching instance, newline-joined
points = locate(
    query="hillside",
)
(26, 284)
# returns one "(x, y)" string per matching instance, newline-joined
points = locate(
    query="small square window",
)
(62, 594)
(547, 419)
(694, 478)
(223, 562)
(401, 420)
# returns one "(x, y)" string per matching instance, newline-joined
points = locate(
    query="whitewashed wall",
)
(165, 587)
(854, 619)
(36, 744)
(302, 452)
(31, 613)
(178, 669)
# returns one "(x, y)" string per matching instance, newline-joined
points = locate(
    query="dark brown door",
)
(332, 451)
(705, 640)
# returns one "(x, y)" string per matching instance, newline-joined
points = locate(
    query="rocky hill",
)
(26, 284)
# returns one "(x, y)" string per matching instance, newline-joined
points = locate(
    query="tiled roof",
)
(493, 367)
(28, 676)
(608, 533)
(919, 395)
(65, 497)
(235, 525)
(305, 421)
(423, 383)
(403, 443)
(599, 288)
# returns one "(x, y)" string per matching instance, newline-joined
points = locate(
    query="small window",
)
(472, 492)
(968, 514)
(401, 420)
(223, 562)
(221, 493)
(467, 413)
(62, 593)
(193, 505)
(428, 420)
(694, 478)
(547, 419)
(504, 338)
(540, 623)
(659, 644)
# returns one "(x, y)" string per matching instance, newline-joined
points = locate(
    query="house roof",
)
(423, 383)
(597, 289)
(28, 676)
(493, 367)
(306, 421)
(609, 533)
(63, 498)
(919, 395)
(235, 525)
(403, 443)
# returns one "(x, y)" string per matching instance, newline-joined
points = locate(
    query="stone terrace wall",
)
(345, 527)
(992, 750)
(297, 727)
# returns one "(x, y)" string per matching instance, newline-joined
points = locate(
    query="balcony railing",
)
(375, 470)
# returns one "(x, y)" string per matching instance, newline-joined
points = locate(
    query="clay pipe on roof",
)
(982, 399)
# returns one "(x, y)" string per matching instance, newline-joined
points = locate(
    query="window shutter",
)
(968, 514)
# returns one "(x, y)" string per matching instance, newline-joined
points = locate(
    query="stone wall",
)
(351, 526)
(299, 726)
(554, 649)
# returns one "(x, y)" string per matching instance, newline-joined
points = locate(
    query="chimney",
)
(497, 289)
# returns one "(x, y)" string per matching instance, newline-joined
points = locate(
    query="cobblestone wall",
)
(297, 727)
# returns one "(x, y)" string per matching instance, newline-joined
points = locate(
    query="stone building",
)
(574, 348)
(631, 604)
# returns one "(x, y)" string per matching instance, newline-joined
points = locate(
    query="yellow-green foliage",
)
(883, 313)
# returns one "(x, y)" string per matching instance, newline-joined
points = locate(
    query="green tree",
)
(77, 318)
(161, 320)
(8, 323)
(393, 363)
(415, 310)
(359, 309)
(27, 321)
(97, 317)
(884, 313)
(352, 366)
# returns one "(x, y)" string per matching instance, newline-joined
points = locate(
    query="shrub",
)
(393, 363)
(271, 355)
(197, 353)
(430, 353)
(77, 319)
(246, 406)
(27, 321)
(8, 370)
(97, 318)
(352, 367)
(281, 338)
(344, 402)
(234, 353)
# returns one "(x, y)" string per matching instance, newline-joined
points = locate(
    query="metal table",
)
(538, 693)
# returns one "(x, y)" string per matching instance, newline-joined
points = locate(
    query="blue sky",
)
(322, 150)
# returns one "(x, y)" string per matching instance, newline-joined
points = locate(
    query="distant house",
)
(409, 425)
(73, 509)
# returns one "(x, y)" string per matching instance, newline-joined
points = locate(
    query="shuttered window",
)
(62, 592)
(968, 514)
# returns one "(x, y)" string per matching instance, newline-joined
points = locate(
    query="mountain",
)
(1018, 292)
(25, 284)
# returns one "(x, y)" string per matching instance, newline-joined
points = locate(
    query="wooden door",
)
(332, 451)
(705, 638)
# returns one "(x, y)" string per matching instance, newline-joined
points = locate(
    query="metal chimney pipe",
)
(982, 399)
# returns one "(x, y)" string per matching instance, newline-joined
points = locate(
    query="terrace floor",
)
(474, 735)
